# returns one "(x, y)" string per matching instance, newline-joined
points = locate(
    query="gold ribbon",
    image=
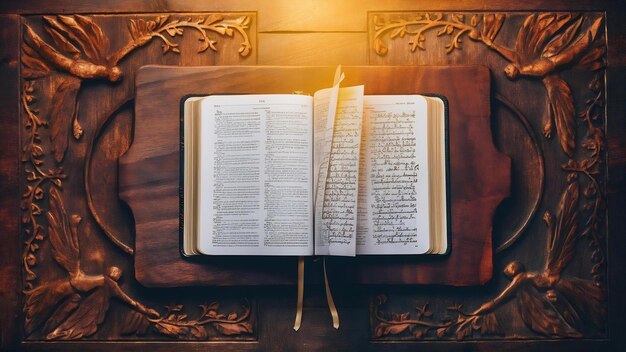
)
(329, 298)
(296, 324)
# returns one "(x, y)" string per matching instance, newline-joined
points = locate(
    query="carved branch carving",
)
(453, 25)
(421, 326)
(177, 325)
(143, 31)
(36, 177)
(590, 167)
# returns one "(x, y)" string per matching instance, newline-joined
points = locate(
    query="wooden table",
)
(67, 116)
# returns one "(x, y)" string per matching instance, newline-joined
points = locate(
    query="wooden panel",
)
(150, 171)
(304, 49)
(518, 113)
(9, 186)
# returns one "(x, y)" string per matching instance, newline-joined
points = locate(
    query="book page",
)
(393, 209)
(338, 168)
(325, 105)
(255, 172)
(324, 110)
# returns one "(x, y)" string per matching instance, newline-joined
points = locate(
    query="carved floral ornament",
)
(75, 305)
(549, 303)
(75, 49)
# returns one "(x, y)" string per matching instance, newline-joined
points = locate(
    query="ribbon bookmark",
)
(296, 324)
(331, 303)
(339, 76)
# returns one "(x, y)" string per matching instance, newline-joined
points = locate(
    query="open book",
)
(336, 173)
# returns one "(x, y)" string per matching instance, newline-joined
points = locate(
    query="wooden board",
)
(149, 174)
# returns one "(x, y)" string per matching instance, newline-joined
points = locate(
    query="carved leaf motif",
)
(171, 330)
(179, 331)
(380, 47)
(198, 332)
(229, 329)
(474, 20)
(143, 31)
(177, 325)
(402, 322)
(387, 329)
(465, 326)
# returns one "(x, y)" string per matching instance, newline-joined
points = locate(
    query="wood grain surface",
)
(40, 94)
